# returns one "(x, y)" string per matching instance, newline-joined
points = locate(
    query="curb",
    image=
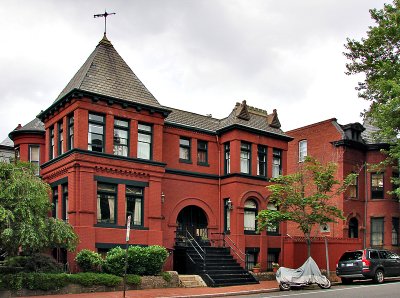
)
(226, 294)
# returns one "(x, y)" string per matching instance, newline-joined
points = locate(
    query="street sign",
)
(128, 228)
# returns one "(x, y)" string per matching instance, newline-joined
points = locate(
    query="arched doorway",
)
(353, 228)
(192, 219)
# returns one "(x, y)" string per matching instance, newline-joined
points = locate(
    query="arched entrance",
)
(192, 219)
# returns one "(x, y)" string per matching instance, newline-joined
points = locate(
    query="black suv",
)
(368, 264)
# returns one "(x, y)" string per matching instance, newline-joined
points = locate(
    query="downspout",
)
(365, 205)
(219, 184)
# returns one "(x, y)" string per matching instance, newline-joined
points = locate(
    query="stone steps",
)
(191, 281)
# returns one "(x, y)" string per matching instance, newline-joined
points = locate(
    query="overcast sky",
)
(201, 56)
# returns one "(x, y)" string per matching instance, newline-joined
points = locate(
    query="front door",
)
(193, 220)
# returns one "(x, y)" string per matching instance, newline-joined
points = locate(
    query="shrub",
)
(115, 261)
(133, 279)
(43, 263)
(141, 260)
(89, 261)
(45, 281)
(35, 263)
(90, 279)
(17, 261)
(156, 257)
(12, 281)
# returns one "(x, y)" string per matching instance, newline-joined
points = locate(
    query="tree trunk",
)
(308, 242)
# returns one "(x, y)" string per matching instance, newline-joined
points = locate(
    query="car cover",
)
(308, 273)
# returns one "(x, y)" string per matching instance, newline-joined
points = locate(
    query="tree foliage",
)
(24, 208)
(377, 57)
(305, 197)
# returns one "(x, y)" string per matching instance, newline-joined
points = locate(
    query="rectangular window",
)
(17, 153)
(272, 257)
(302, 150)
(262, 160)
(134, 205)
(227, 215)
(202, 152)
(106, 203)
(60, 138)
(65, 202)
(121, 137)
(96, 133)
(376, 186)
(276, 163)
(184, 149)
(227, 158)
(144, 141)
(395, 183)
(353, 188)
(395, 231)
(55, 202)
(51, 143)
(377, 230)
(275, 229)
(70, 132)
(251, 257)
(245, 157)
(34, 158)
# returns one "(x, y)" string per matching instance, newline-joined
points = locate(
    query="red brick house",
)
(109, 149)
(372, 215)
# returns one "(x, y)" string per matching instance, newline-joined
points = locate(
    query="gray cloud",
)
(201, 56)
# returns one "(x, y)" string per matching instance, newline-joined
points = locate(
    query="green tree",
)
(24, 208)
(305, 197)
(377, 57)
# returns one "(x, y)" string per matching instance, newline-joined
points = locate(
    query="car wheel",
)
(284, 286)
(346, 281)
(379, 276)
(327, 285)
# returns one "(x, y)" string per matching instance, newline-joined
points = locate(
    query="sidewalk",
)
(262, 287)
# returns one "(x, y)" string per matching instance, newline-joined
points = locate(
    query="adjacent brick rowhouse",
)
(201, 173)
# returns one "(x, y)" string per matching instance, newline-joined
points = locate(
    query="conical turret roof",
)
(106, 73)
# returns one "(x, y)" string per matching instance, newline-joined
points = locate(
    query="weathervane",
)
(104, 15)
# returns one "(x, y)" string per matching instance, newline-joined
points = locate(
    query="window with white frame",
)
(144, 141)
(276, 163)
(250, 213)
(34, 158)
(302, 150)
(245, 157)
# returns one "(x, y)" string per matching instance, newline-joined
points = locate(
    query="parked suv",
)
(368, 264)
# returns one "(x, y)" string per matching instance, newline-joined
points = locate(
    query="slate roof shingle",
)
(257, 119)
(106, 73)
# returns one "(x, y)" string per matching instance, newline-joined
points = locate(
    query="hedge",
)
(54, 281)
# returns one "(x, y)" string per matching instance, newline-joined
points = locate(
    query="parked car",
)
(368, 263)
